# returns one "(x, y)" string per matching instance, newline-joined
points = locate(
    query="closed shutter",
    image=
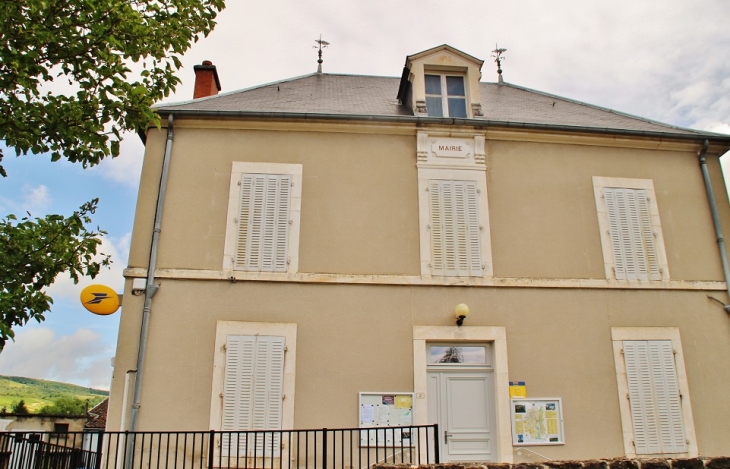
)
(455, 233)
(263, 222)
(654, 397)
(253, 391)
(632, 236)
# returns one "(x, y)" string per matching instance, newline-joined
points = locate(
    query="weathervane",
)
(497, 54)
(321, 45)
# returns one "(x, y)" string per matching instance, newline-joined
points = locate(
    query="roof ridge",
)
(264, 85)
(229, 93)
(604, 109)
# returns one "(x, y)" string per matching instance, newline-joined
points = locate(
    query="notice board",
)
(379, 412)
(537, 421)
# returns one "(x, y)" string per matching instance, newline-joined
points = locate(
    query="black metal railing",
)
(342, 448)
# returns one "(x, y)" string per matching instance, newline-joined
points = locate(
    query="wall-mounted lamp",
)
(462, 311)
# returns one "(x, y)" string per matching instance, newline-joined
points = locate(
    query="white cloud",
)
(33, 199)
(36, 199)
(113, 277)
(719, 127)
(80, 358)
(126, 168)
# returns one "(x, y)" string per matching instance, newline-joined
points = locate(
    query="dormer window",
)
(445, 96)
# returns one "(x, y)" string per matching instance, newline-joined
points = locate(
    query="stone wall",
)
(689, 463)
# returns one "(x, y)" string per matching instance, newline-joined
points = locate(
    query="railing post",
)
(211, 447)
(324, 448)
(99, 448)
(436, 445)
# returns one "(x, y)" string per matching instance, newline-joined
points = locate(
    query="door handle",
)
(446, 436)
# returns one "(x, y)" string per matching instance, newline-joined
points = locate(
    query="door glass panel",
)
(468, 354)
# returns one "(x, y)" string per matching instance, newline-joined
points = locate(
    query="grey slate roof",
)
(373, 97)
(315, 93)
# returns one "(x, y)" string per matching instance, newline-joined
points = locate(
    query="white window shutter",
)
(237, 388)
(632, 238)
(647, 236)
(473, 230)
(268, 391)
(243, 247)
(263, 222)
(253, 392)
(668, 401)
(654, 397)
(455, 233)
(437, 229)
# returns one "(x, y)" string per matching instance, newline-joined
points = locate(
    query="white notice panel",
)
(379, 412)
(537, 421)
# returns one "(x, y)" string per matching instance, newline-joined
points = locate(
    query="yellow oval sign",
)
(100, 299)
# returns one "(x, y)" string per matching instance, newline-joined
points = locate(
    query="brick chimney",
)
(206, 80)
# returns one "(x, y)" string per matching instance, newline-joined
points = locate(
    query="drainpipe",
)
(151, 288)
(716, 220)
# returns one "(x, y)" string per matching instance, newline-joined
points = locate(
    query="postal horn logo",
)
(100, 299)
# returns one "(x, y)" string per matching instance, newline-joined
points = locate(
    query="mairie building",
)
(315, 241)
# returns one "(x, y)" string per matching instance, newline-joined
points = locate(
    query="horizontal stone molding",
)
(304, 277)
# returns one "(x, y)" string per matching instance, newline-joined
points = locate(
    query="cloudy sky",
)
(666, 60)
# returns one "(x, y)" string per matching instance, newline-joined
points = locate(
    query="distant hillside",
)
(38, 392)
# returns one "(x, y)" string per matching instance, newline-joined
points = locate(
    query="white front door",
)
(462, 403)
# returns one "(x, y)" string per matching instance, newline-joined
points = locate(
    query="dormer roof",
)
(443, 48)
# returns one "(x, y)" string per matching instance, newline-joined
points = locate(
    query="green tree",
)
(19, 407)
(90, 45)
(33, 253)
(64, 406)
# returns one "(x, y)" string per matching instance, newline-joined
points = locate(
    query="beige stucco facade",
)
(359, 299)
(362, 291)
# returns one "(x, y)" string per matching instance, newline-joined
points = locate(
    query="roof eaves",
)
(693, 135)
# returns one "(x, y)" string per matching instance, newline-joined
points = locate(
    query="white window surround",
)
(620, 334)
(226, 328)
(423, 335)
(599, 184)
(238, 169)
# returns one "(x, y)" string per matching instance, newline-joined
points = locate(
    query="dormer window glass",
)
(445, 96)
